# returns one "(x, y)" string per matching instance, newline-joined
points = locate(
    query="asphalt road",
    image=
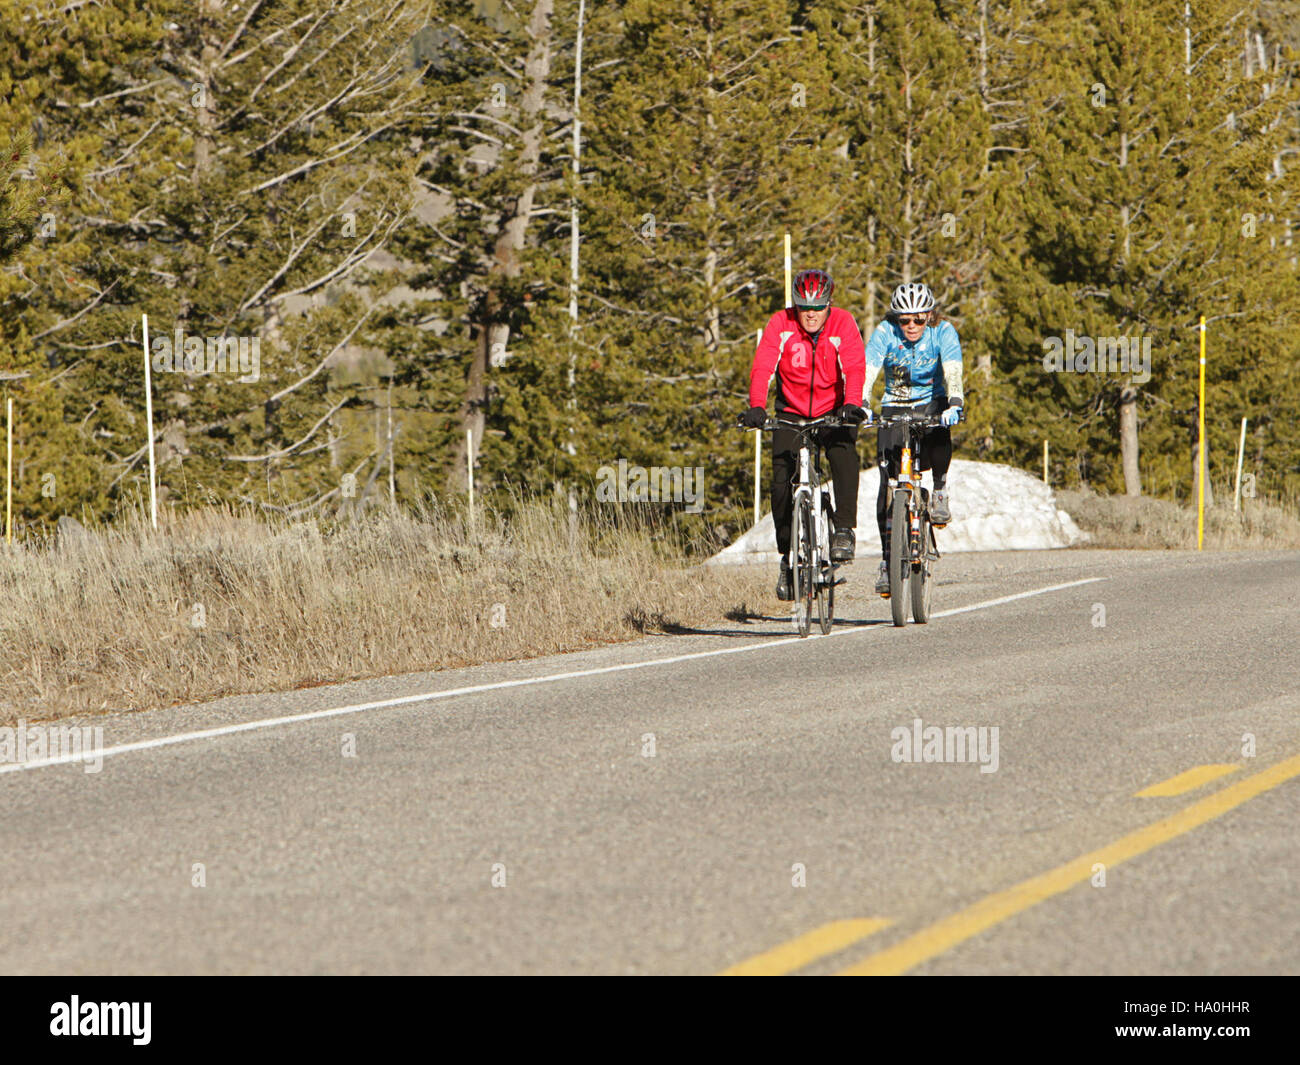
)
(739, 803)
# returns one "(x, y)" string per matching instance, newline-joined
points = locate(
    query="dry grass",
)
(1118, 521)
(219, 603)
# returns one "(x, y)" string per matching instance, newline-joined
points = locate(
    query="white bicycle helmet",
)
(912, 298)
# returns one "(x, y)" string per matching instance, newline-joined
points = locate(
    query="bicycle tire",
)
(829, 620)
(801, 563)
(921, 577)
(826, 584)
(899, 562)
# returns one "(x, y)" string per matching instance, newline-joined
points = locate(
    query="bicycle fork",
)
(907, 481)
(808, 490)
(821, 504)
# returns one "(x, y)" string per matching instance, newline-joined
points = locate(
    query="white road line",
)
(338, 711)
(1012, 598)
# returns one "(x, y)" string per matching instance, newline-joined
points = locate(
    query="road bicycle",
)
(913, 551)
(811, 568)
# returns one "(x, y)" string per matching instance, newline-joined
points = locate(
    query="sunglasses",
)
(912, 319)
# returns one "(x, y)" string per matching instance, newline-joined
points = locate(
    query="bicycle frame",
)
(812, 570)
(909, 481)
(809, 487)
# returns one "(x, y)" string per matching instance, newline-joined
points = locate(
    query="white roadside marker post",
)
(148, 412)
(469, 471)
(9, 469)
(1241, 451)
(758, 459)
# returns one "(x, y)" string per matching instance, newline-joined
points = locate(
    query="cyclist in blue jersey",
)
(921, 357)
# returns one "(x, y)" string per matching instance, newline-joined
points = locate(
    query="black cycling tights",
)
(935, 455)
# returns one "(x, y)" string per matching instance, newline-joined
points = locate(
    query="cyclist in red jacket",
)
(820, 362)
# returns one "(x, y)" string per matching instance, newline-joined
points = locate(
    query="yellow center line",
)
(818, 943)
(993, 909)
(1189, 781)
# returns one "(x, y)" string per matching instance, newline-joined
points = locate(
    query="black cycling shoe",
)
(785, 583)
(939, 513)
(882, 582)
(842, 545)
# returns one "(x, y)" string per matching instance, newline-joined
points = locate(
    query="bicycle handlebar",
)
(830, 421)
(803, 425)
(921, 421)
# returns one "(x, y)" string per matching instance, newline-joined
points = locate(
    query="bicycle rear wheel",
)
(921, 577)
(899, 561)
(801, 550)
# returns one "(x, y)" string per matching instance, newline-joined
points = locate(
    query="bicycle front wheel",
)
(921, 576)
(801, 550)
(899, 560)
(826, 577)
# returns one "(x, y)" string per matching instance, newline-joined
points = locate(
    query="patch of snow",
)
(994, 508)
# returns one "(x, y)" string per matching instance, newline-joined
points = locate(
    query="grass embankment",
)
(218, 603)
(1144, 522)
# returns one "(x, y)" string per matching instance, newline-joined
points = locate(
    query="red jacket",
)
(809, 383)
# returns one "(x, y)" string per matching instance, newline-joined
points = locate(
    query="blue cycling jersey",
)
(915, 374)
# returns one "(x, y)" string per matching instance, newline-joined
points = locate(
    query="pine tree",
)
(490, 159)
(22, 202)
(934, 100)
(709, 131)
(1133, 210)
(237, 168)
(53, 281)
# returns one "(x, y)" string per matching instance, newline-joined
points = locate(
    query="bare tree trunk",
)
(1128, 423)
(1128, 440)
(907, 169)
(984, 360)
(574, 262)
(494, 333)
(202, 97)
(175, 438)
(871, 219)
(492, 336)
(712, 314)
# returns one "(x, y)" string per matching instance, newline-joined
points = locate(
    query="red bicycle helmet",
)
(812, 290)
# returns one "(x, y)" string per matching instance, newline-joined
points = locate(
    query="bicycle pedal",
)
(936, 525)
